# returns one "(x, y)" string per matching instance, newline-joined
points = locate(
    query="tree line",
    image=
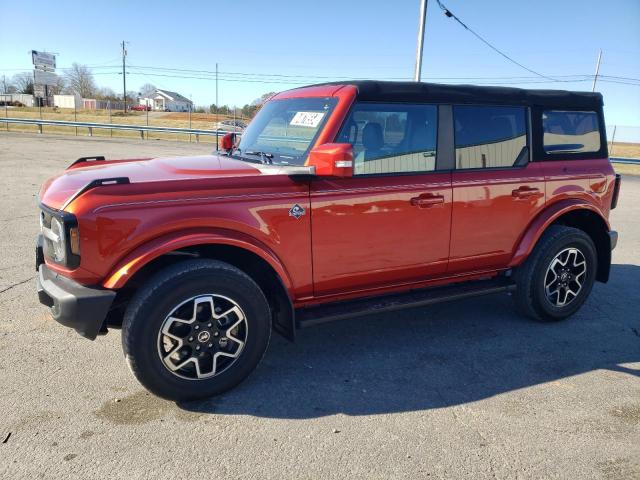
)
(79, 80)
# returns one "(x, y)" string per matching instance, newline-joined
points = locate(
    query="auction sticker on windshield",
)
(307, 119)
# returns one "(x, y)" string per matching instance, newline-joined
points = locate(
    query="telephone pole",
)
(595, 77)
(124, 76)
(217, 107)
(423, 19)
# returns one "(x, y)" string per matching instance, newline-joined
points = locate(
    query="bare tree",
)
(23, 82)
(58, 87)
(147, 90)
(106, 93)
(80, 81)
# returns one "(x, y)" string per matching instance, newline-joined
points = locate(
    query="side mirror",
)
(332, 160)
(228, 141)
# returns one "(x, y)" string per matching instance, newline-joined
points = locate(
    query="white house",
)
(164, 100)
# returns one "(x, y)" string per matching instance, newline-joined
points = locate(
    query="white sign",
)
(45, 78)
(43, 60)
(307, 119)
(39, 91)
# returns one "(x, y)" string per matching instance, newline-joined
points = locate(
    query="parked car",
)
(234, 123)
(418, 193)
(141, 108)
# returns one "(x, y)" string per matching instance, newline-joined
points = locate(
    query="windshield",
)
(284, 130)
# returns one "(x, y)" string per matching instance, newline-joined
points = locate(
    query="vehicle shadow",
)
(444, 355)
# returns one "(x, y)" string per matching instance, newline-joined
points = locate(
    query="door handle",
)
(427, 201)
(526, 192)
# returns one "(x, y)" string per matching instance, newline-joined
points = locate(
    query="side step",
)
(309, 316)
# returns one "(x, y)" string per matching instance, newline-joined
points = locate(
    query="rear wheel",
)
(197, 329)
(557, 278)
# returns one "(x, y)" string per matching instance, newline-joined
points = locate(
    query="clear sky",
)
(263, 46)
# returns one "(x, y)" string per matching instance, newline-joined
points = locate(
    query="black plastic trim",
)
(445, 151)
(87, 159)
(616, 191)
(73, 305)
(613, 239)
(69, 221)
(388, 303)
(99, 182)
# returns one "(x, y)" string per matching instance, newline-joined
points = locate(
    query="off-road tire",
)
(531, 296)
(150, 306)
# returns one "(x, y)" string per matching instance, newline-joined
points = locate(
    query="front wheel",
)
(196, 329)
(557, 278)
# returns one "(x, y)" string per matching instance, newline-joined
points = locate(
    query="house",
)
(164, 100)
(68, 101)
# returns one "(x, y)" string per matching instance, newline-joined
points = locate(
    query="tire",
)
(559, 243)
(174, 312)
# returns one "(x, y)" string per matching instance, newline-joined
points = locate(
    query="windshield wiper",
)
(264, 156)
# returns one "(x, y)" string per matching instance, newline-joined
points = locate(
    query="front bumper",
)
(613, 239)
(73, 305)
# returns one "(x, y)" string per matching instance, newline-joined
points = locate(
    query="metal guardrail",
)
(114, 126)
(632, 161)
(187, 131)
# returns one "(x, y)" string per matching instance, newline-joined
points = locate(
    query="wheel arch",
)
(239, 250)
(577, 214)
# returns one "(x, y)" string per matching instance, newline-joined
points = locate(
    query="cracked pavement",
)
(466, 389)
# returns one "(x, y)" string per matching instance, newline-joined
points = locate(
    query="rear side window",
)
(570, 132)
(489, 136)
(391, 138)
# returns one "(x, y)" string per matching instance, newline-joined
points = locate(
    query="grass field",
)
(202, 121)
(627, 150)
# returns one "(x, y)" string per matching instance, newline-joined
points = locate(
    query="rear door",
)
(497, 191)
(390, 223)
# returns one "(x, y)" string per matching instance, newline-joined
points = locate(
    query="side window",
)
(391, 138)
(489, 136)
(570, 132)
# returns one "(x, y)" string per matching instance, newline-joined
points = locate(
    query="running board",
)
(306, 317)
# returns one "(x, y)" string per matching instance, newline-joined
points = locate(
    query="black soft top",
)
(379, 91)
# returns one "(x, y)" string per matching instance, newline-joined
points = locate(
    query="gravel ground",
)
(466, 389)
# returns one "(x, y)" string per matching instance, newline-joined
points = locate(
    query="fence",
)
(113, 126)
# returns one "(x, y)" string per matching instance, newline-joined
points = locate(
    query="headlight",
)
(61, 237)
(58, 240)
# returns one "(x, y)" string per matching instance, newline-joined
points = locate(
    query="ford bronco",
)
(339, 200)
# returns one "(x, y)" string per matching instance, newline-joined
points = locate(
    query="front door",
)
(390, 223)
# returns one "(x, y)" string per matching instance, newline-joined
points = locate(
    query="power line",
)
(449, 14)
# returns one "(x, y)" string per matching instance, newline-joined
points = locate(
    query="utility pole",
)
(4, 84)
(124, 77)
(595, 77)
(423, 19)
(217, 107)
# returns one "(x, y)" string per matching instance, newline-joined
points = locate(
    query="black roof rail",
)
(99, 182)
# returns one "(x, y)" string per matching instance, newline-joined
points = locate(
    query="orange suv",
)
(338, 200)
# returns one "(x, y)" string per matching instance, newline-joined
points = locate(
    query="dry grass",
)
(627, 150)
(626, 169)
(157, 119)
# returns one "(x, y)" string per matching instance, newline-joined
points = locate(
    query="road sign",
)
(43, 60)
(39, 91)
(45, 77)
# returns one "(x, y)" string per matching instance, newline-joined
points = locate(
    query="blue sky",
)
(312, 41)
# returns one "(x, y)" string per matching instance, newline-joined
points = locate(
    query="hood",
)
(56, 191)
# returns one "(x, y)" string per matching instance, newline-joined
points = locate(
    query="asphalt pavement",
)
(460, 390)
